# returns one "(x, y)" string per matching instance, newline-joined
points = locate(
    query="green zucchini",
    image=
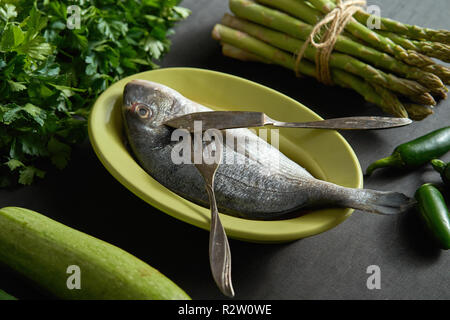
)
(5, 296)
(43, 250)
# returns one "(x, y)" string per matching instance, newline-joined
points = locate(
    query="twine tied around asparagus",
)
(337, 20)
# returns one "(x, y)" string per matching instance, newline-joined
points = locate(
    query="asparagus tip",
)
(416, 59)
(215, 32)
(418, 112)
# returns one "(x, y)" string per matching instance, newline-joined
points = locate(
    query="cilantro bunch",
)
(50, 75)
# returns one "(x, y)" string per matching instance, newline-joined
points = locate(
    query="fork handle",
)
(219, 249)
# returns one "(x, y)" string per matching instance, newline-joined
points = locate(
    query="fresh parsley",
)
(50, 75)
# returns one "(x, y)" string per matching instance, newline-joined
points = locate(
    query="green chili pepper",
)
(416, 152)
(434, 211)
(443, 168)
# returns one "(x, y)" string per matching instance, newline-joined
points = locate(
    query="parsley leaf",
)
(28, 173)
(50, 75)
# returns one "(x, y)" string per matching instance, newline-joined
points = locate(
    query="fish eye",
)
(143, 111)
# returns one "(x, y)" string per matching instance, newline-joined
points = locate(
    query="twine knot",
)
(335, 21)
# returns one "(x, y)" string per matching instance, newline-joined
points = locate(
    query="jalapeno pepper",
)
(416, 152)
(443, 168)
(434, 211)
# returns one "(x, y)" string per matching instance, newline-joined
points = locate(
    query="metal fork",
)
(219, 249)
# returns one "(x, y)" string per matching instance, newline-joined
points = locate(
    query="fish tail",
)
(379, 202)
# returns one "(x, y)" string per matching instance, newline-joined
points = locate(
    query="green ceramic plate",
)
(325, 154)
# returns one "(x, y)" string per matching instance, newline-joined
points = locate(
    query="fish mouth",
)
(132, 107)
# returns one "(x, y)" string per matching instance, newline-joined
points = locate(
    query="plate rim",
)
(232, 231)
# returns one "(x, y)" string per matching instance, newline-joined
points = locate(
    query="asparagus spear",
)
(285, 23)
(441, 71)
(236, 53)
(409, 88)
(388, 101)
(441, 94)
(344, 80)
(389, 97)
(412, 32)
(432, 49)
(418, 112)
(369, 36)
(415, 112)
(298, 9)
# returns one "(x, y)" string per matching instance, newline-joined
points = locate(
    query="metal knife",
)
(245, 119)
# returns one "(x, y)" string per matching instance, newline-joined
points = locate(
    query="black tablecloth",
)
(332, 265)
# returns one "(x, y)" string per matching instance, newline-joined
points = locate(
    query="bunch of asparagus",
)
(390, 67)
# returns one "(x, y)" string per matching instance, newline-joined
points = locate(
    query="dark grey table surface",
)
(331, 265)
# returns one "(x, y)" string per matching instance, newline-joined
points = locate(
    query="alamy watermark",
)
(73, 17)
(74, 280)
(223, 147)
(374, 280)
(374, 20)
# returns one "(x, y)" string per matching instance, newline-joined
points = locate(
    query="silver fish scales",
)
(251, 186)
